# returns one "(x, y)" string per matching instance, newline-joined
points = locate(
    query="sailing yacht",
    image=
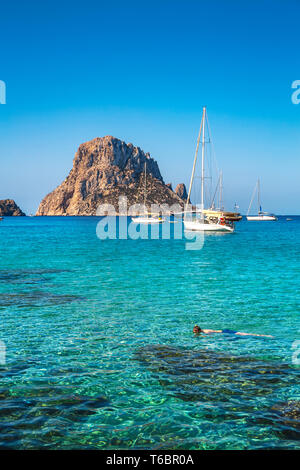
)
(147, 218)
(213, 214)
(260, 214)
(210, 220)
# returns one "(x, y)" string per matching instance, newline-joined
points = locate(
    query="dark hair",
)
(197, 328)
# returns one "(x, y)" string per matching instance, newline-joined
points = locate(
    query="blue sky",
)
(142, 71)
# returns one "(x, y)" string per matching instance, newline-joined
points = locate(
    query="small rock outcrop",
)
(287, 417)
(181, 191)
(8, 208)
(103, 170)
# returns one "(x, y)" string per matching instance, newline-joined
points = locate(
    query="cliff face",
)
(181, 191)
(104, 169)
(8, 207)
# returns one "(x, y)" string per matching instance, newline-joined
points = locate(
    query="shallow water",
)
(99, 345)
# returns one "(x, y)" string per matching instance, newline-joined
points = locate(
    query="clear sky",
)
(141, 71)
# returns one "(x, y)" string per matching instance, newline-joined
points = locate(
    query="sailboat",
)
(260, 214)
(210, 220)
(147, 218)
(213, 214)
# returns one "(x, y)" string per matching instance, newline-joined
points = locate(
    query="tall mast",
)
(258, 195)
(145, 188)
(221, 190)
(252, 198)
(195, 160)
(203, 154)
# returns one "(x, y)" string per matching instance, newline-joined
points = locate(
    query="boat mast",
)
(145, 187)
(203, 154)
(258, 195)
(194, 164)
(215, 194)
(221, 190)
(252, 198)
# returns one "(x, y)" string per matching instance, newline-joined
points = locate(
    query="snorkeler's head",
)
(196, 329)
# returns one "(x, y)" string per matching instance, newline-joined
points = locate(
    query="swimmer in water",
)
(197, 330)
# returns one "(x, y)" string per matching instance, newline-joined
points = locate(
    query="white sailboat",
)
(209, 220)
(261, 216)
(147, 218)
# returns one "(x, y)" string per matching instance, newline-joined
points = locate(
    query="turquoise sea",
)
(97, 343)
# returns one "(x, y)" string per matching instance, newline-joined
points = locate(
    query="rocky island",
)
(8, 208)
(103, 170)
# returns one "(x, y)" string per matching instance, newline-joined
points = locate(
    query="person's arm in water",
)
(211, 331)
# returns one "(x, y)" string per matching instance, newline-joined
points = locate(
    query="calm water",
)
(99, 345)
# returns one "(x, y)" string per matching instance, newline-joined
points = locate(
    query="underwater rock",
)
(287, 416)
(210, 376)
(16, 368)
(228, 387)
(24, 276)
(71, 407)
(41, 413)
(282, 417)
(36, 298)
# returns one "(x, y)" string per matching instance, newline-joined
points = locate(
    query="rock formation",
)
(8, 207)
(103, 170)
(181, 191)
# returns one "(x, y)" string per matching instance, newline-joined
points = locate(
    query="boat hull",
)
(261, 217)
(229, 216)
(147, 220)
(202, 227)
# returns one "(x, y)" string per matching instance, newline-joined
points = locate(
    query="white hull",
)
(261, 217)
(202, 227)
(147, 220)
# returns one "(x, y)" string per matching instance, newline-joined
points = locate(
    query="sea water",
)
(97, 348)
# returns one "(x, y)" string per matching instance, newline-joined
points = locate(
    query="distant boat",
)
(289, 219)
(210, 220)
(147, 218)
(261, 216)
